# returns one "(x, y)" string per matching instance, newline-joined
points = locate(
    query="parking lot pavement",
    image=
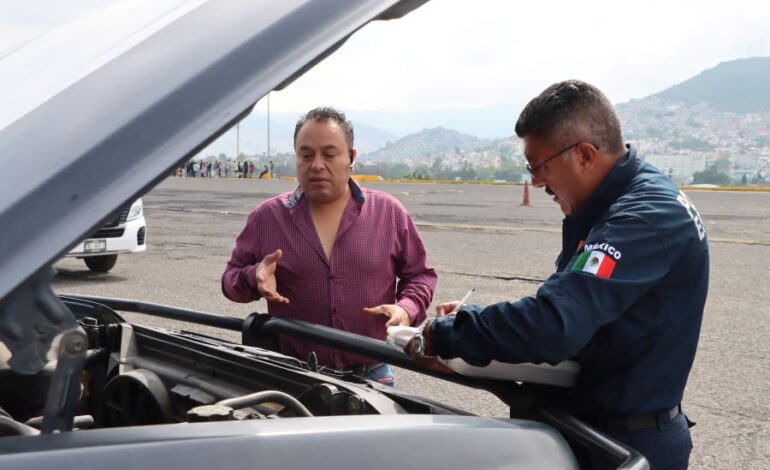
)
(481, 236)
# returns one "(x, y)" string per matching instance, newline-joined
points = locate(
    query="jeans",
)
(382, 373)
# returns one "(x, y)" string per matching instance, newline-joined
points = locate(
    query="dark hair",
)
(571, 110)
(325, 113)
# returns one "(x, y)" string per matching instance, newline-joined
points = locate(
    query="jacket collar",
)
(575, 228)
(609, 190)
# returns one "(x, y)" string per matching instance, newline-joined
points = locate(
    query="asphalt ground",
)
(481, 236)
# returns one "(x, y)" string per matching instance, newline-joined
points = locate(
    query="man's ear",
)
(588, 156)
(353, 154)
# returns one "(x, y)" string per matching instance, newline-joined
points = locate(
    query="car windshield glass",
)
(42, 55)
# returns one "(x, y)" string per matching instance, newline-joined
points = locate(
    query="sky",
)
(455, 55)
(458, 53)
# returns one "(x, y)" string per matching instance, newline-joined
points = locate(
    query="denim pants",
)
(382, 373)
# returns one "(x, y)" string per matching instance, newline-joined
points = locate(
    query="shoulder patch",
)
(598, 263)
(603, 247)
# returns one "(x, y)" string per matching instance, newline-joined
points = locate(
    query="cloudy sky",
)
(462, 54)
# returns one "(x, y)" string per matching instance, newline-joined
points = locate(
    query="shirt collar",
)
(355, 190)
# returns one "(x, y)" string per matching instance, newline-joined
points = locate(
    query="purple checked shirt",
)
(378, 258)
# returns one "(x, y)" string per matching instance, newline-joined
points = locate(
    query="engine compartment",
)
(137, 385)
(136, 375)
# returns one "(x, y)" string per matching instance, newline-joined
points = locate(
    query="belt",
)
(640, 421)
(360, 369)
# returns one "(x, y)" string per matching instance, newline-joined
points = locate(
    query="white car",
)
(126, 233)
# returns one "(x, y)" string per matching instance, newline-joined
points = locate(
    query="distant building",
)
(678, 166)
(747, 162)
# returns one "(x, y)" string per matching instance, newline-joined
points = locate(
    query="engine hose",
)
(10, 427)
(267, 396)
(79, 422)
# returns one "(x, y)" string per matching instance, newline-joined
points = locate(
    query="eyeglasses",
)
(533, 169)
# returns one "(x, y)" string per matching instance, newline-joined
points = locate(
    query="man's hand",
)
(447, 308)
(266, 284)
(395, 313)
(427, 360)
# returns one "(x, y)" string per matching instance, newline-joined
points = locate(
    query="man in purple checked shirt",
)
(332, 252)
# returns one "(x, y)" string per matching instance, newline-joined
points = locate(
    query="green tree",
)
(722, 164)
(421, 172)
(437, 167)
(399, 170)
(467, 172)
(485, 172)
(711, 176)
(508, 170)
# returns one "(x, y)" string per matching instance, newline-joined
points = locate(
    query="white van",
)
(126, 233)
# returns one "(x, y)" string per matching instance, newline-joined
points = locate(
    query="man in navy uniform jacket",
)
(626, 300)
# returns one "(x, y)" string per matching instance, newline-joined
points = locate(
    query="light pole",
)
(237, 140)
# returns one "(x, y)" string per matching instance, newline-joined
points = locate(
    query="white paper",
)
(564, 374)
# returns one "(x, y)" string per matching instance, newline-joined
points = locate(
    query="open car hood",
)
(100, 110)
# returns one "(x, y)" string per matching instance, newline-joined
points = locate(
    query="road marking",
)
(486, 228)
(503, 229)
(536, 280)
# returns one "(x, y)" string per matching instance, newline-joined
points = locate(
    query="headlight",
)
(136, 211)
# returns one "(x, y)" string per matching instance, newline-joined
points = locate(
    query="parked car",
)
(124, 233)
(104, 109)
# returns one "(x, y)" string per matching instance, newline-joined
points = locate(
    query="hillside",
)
(430, 143)
(741, 85)
(727, 106)
(254, 136)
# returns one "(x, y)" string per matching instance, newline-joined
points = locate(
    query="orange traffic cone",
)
(526, 202)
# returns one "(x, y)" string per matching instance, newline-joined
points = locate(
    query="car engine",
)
(135, 375)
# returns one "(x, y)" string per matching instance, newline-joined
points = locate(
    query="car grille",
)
(119, 219)
(108, 233)
(140, 236)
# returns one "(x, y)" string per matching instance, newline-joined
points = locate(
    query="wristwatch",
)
(418, 344)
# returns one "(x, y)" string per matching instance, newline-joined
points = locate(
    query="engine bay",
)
(135, 375)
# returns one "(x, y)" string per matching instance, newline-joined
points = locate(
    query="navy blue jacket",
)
(626, 301)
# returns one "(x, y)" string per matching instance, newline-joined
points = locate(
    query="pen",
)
(456, 309)
(463, 300)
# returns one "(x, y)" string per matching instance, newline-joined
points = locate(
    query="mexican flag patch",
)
(597, 263)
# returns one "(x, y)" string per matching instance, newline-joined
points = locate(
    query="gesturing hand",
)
(395, 313)
(266, 283)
